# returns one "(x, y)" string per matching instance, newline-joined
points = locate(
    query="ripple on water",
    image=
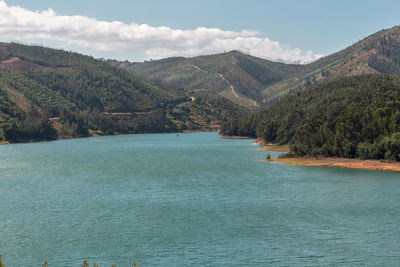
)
(193, 200)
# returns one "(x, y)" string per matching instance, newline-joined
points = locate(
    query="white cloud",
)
(17, 23)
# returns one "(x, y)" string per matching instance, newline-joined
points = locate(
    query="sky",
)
(137, 30)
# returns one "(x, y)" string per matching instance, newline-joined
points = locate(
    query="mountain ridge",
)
(236, 76)
(259, 82)
(51, 93)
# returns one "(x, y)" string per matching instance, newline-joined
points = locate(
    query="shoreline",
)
(272, 147)
(359, 164)
(234, 137)
(199, 131)
(65, 137)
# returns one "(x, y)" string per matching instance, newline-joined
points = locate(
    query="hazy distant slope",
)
(238, 77)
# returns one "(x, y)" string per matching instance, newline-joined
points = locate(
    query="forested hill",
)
(47, 94)
(238, 77)
(356, 116)
(255, 83)
(377, 53)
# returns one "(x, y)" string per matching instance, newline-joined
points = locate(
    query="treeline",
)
(349, 117)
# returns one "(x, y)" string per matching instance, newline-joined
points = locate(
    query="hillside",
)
(236, 76)
(47, 94)
(255, 83)
(377, 53)
(357, 116)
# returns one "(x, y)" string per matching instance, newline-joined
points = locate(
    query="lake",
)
(189, 200)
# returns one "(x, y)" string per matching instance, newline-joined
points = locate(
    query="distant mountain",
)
(236, 76)
(47, 94)
(255, 83)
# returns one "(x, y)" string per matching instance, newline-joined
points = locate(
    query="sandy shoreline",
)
(360, 164)
(341, 163)
(272, 147)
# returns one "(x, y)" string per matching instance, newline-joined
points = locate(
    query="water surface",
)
(189, 200)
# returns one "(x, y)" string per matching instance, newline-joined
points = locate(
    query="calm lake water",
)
(189, 200)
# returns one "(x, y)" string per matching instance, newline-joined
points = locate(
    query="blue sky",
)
(322, 27)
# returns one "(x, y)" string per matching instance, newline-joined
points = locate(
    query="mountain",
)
(236, 76)
(377, 53)
(255, 83)
(344, 105)
(47, 94)
(356, 116)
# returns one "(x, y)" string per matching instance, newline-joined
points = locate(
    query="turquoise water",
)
(189, 200)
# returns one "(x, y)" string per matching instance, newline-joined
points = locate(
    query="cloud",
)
(18, 23)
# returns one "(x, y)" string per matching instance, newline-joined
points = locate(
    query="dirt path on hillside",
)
(197, 68)
(230, 85)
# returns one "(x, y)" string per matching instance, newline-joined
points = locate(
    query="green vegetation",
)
(258, 82)
(237, 76)
(46, 94)
(276, 148)
(204, 111)
(1, 263)
(349, 117)
(377, 53)
(346, 110)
